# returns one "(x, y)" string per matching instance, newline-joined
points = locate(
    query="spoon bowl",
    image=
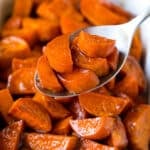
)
(122, 34)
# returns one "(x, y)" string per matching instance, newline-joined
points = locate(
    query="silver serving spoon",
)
(123, 34)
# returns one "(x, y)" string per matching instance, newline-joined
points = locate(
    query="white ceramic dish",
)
(133, 6)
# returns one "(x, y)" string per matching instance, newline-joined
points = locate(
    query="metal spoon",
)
(123, 34)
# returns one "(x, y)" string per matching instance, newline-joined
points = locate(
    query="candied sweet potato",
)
(137, 122)
(6, 102)
(71, 20)
(93, 45)
(45, 29)
(63, 126)
(93, 128)
(47, 77)
(118, 137)
(79, 80)
(103, 105)
(76, 109)
(97, 12)
(14, 22)
(59, 54)
(53, 10)
(21, 81)
(18, 63)
(113, 59)
(28, 34)
(49, 142)
(133, 81)
(55, 109)
(132, 67)
(22, 8)
(34, 115)
(136, 47)
(91, 145)
(10, 136)
(12, 47)
(98, 65)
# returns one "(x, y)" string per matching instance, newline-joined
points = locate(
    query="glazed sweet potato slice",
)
(18, 63)
(12, 47)
(62, 126)
(55, 109)
(22, 8)
(102, 15)
(45, 29)
(59, 54)
(53, 10)
(93, 128)
(14, 22)
(47, 77)
(113, 59)
(91, 145)
(6, 102)
(103, 105)
(129, 86)
(71, 20)
(49, 142)
(34, 115)
(137, 123)
(76, 109)
(10, 136)
(137, 46)
(93, 45)
(23, 77)
(118, 137)
(98, 65)
(79, 80)
(28, 34)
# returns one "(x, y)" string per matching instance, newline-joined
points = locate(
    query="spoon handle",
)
(134, 23)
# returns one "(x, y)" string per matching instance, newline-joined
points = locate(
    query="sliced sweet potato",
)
(49, 142)
(129, 86)
(93, 45)
(103, 105)
(113, 59)
(53, 10)
(118, 137)
(91, 145)
(76, 109)
(18, 63)
(47, 77)
(21, 81)
(55, 109)
(28, 34)
(102, 15)
(71, 20)
(14, 22)
(63, 126)
(12, 47)
(22, 8)
(34, 115)
(79, 80)
(103, 90)
(99, 65)
(137, 123)
(6, 102)
(132, 67)
(59, 54)
(93, 128)
(45, 29)
(10, 136)
(136, 48)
